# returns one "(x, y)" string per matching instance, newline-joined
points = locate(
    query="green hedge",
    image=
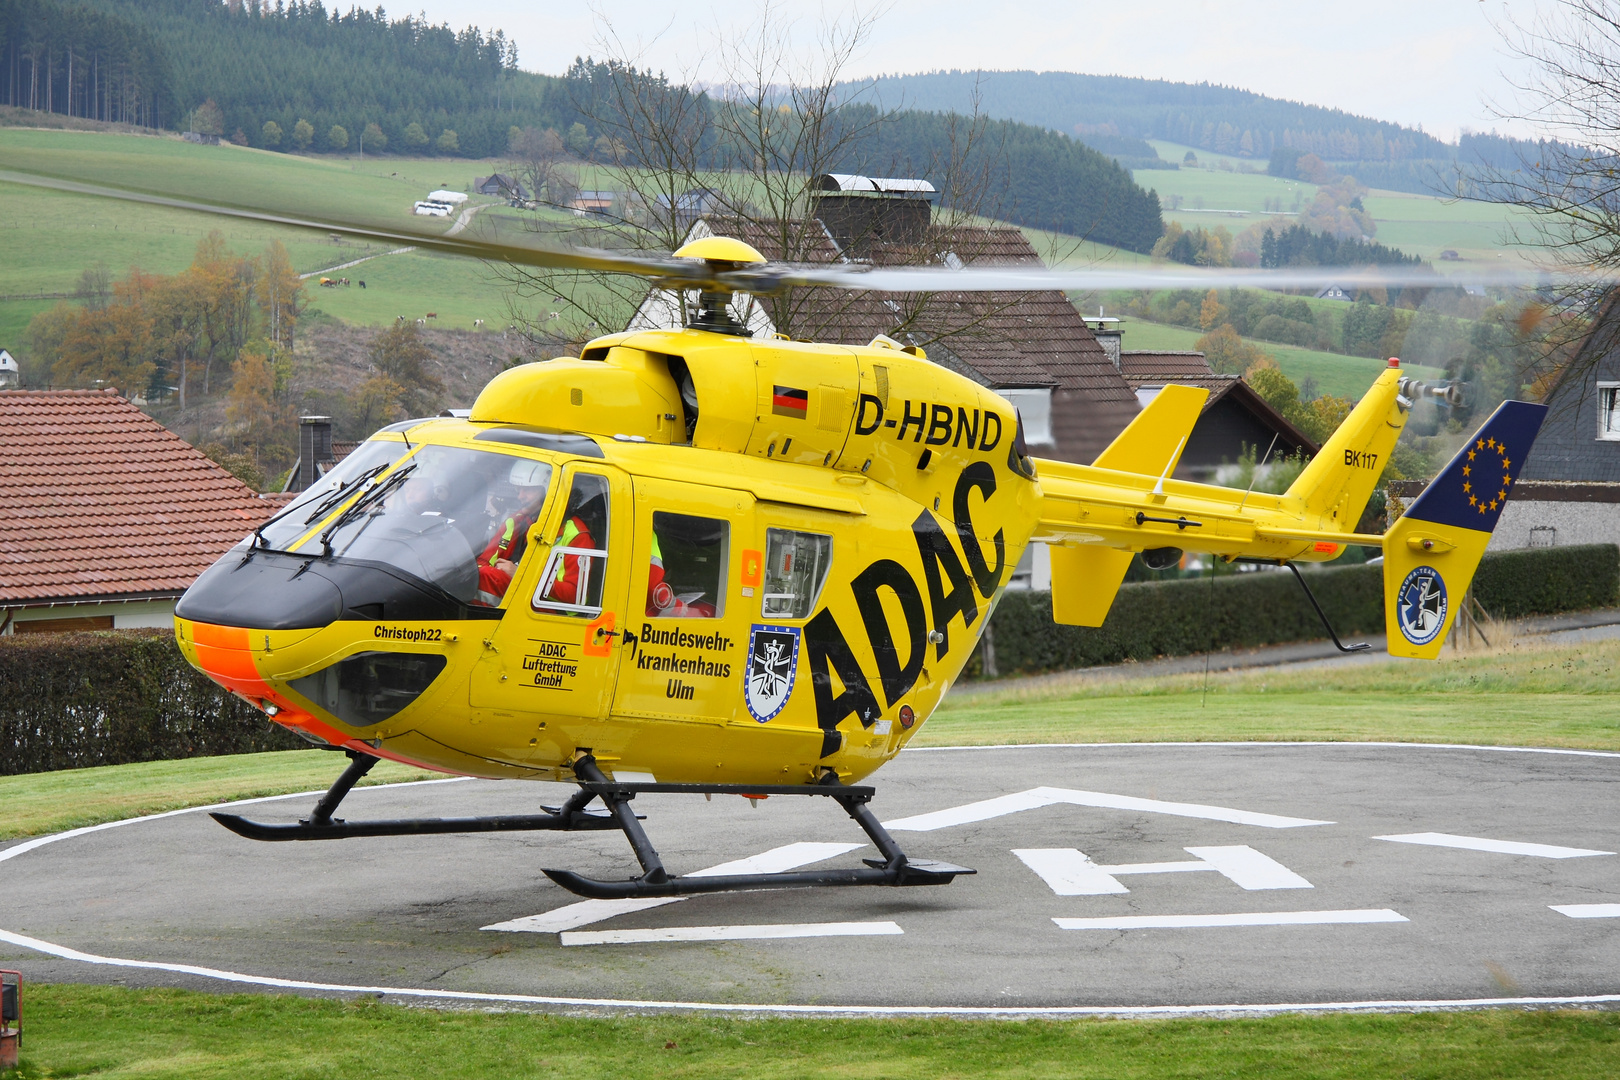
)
(69, 701)
(1174, 618)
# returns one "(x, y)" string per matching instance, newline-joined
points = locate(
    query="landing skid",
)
(321, 825)
(894, 868)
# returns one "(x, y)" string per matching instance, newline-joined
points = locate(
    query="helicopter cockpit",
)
(392, 532)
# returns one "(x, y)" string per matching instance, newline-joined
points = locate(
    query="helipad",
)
(1144, 877)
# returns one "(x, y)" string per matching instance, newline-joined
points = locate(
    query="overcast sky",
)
(1438, 63)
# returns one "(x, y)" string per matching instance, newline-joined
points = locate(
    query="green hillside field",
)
(50, 237)
(1420, 225)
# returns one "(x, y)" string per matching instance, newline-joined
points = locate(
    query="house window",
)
(795, 569)
(1035, 410)
(1608, 411)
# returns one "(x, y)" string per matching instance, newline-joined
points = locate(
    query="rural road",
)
(1157, 877)
(463, 219)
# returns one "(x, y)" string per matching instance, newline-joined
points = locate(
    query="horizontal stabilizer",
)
(1085, 577)
(1152, 443)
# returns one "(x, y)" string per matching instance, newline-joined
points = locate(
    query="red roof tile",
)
(99, 500)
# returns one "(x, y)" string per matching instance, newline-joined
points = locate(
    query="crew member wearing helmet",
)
(585, 508)
(517, 509)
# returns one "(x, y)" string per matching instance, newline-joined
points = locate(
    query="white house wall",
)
(1523, 523)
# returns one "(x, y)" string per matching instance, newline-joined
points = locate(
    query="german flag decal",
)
(788, 401)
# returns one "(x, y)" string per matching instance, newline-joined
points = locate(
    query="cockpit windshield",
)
(456, 518)
(316, 501)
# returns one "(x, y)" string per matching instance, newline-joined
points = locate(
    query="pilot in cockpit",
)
(513, 507)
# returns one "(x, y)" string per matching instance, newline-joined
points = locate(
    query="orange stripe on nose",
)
(220, 637)
(223, 653)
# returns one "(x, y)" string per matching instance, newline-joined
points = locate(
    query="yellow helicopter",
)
(698, 561)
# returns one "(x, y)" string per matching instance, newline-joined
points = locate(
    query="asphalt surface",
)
(1280, 833)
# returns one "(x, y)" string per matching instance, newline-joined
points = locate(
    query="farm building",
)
(500, 185)
(106, 516)
(592, 202)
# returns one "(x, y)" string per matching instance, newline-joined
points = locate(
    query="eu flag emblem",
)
(1473, 488)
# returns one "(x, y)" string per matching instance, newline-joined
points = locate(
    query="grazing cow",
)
(421, 322)
(327, 283)
(478, 324)
(343, 281)
(362, 283)
(433, 314)
(399, 318)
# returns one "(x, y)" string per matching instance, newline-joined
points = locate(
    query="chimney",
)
(314, 450)
(862, 212)
(1106, 329)
(1110, 342)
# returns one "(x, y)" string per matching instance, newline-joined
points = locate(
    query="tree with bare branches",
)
(743, 159)
(1570, 183)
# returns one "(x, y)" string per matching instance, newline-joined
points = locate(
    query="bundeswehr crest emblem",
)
(773, 662)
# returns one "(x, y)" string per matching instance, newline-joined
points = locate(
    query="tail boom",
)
(1096, 516)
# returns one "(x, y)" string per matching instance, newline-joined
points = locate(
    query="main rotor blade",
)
(935, 279)
(665, 270)
(770, 278)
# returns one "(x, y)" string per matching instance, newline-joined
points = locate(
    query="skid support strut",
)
(321, 825)
(893, 869)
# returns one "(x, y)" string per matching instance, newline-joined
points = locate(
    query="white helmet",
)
(529, 474)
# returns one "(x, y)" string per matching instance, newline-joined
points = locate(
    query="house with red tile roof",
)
(106, 516)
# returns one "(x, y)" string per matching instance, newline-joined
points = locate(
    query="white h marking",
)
(1073, 873)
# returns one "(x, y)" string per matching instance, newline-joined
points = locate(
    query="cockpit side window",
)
(450, 516)
(796, 565)
(577, 568)
(687, 568)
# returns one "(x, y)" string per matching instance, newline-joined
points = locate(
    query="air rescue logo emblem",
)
(773, 663)
(1420, 605)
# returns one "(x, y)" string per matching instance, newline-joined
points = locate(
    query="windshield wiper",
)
(321, 507)
(364, 502)
(343, 491)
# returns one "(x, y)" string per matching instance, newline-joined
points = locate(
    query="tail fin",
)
(1432, 551)
(1085, 578)
(1337, 483)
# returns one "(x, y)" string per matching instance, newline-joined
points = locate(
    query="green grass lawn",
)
(1341, 376)
(1519, 694)
(37, 803)
(117, 1033)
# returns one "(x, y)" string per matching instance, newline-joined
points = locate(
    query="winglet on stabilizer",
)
(1086, 577)
(1432, 551)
